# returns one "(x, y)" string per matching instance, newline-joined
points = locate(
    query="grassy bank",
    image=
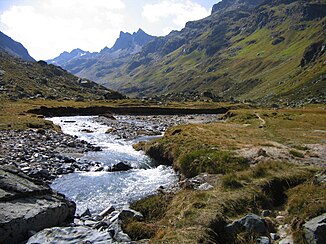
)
(257, 159)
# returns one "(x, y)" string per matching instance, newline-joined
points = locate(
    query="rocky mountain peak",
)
(127, 40)
(234, 4)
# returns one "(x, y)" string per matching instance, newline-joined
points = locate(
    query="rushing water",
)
(97, 190)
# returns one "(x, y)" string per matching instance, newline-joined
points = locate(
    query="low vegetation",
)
(14, 115)
(275, 176)
(251, 168)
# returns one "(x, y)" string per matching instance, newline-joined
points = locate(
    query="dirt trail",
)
(263, 122)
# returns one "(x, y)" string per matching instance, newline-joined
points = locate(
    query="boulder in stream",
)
(122, 166)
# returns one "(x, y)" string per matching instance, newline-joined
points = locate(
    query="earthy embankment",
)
(100, 110)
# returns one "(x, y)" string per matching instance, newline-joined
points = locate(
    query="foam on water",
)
(96, 190)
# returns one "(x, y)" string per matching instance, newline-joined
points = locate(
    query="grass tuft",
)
(296, 153)
(211, 161)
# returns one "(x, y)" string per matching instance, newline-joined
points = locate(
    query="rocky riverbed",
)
(44, 154)
(132, 127)
(32, 159)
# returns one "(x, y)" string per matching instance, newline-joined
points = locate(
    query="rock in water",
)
(121, 167)
(69, 235)
(27, 206)
(315, 230)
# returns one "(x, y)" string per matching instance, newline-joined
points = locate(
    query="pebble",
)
(41, 155)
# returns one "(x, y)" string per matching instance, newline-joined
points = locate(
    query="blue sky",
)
(48, 27)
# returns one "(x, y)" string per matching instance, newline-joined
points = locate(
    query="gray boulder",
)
(130, 214)
(71, 235)
(315, 230)
(249, 223)
(27, 206)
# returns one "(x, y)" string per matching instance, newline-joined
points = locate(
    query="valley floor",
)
(255, 163)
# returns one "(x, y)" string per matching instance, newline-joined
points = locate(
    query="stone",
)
(266, 213)
(130, 213)
(69, 235)
(121, 167)
(280, 218)
(249, 223)
(87, 212)
(107, 211)
(263, 240)
(204, 187)
(27, 206)
(315, 230)
(274, 236)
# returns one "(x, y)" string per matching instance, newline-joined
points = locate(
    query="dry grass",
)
(196, 212)
(13, 113)
(190, 215)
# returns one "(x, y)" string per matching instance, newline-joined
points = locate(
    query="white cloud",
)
(179, 12)
(48, 27)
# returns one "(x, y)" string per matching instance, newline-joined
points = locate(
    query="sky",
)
(49, 27)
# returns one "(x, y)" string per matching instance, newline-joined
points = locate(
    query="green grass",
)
(211, 161)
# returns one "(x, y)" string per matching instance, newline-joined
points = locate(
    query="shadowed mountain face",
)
(258, 50)
(14, 48)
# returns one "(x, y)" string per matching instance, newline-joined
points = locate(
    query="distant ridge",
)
(95, 65)
(14, 48)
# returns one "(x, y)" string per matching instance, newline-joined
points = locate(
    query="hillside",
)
(95, 65)
(259, 50)
(14, 48)
(20, 79)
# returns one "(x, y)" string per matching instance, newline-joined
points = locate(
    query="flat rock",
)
(71, 235)
(27, 206)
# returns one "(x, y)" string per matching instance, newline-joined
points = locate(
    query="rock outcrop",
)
(28, 206)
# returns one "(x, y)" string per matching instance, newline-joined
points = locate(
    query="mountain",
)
(250, 50)
(20, 79)
(65, 57)
(14, 48)
(95, 65)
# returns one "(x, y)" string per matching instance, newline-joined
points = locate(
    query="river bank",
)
(250, 171)
(47, 155)
(230, 170)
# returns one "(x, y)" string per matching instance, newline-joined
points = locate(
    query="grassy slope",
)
(275, 66)
(29, 79)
